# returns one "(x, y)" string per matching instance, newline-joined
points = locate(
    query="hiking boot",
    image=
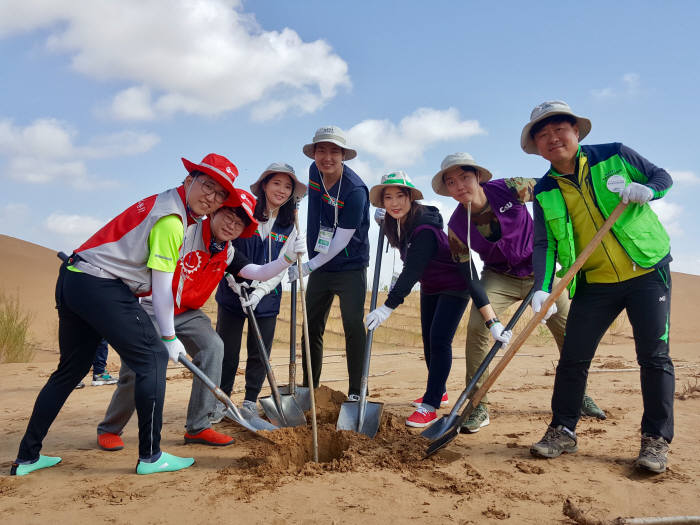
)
(354, 398)
(443, 402)
(165, 463)
(22, 469)
(103, 379)
(422, 417)
(652, 454)
(210, 437)
(110, 442)
(478, 418)
(555, 442)
(590, 409)
(218, 414)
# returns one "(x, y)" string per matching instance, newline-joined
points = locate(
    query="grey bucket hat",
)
(281, 167)
(332, 134)
(393, 178)
(546, 110)
(457, 159)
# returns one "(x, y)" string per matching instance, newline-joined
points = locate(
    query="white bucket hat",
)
(281, 167)
(332, 134)
(457, 159)
(393, 178)
(546, 110)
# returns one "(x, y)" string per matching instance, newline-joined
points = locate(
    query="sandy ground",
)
(486, 477)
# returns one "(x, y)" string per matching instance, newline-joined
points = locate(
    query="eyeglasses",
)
(232, 220)
(209, 187)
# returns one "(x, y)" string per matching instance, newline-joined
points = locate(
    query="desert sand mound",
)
(488, 477)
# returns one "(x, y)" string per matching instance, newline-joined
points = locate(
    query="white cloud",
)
(684, 177)
(73, 225)
(404, 143)
(628, 85)
(45, 151)
(669, 214)
(187, 56)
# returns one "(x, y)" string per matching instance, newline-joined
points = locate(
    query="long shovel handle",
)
(253, 323)
(453, 416)
(539, 316)
(370, 333)
(307, 349)
(293, 339)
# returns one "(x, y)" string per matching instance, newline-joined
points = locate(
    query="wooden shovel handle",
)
(556, 292)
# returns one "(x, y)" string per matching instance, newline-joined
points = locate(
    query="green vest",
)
(638, 230)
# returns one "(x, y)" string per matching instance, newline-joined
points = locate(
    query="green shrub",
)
(14, 325)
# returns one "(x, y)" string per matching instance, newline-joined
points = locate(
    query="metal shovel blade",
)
(349, 414)
(300, 393)
(293, 414)
(253, 420)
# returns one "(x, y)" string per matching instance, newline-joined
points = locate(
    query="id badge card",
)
(394, 278)
(323, 243)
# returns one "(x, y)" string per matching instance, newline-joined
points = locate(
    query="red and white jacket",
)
(119, 250)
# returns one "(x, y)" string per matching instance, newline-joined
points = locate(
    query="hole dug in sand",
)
(267, 465)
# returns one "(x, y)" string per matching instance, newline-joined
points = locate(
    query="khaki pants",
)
(503, 291)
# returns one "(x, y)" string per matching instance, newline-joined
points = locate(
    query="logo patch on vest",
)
(616, 183)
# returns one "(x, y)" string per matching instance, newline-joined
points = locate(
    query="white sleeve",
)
(340, 240)
(271, 284)
(265, 271)
(163, 303)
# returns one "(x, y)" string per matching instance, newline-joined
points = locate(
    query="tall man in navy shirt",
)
(337, 226)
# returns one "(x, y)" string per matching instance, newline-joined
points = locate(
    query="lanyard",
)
(334, 202)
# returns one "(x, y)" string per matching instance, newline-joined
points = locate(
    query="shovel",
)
(282, 410)
(253, 424)
(452, 422)
(451, 433)
(363, 416)
(300, 393)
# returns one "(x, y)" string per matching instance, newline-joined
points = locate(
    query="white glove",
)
(235, 285)
(175, 348)
(499, 334)
(377, 317)
(636, 192)
(293, 272)
(254, 298)
(379, 215)
(538, 300)
(294, 246)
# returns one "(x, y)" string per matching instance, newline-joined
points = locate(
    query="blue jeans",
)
(440, 315)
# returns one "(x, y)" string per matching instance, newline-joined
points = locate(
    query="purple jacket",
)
(512, 253)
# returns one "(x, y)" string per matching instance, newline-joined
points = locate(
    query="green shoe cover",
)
(42, 462)
(165, 463)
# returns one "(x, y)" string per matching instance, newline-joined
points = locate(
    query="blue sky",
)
(100, 99)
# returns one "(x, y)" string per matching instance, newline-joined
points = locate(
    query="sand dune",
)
(488, 477)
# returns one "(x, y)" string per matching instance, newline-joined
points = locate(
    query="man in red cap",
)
(97, 293)
(210, 254)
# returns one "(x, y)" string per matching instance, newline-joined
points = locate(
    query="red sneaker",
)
(421, 418)
(209, 436)
(443, 402)
(110, 442)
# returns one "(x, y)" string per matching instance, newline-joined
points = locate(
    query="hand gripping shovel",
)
(301, 393)
(451, 423)
(363, 416)
(515, 345)
(282, 410)
(253, 424)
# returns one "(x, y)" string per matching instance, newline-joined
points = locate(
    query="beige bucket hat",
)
(332, 134)
(393, 178)
(546, 110)
(281, 167)
(457, 159)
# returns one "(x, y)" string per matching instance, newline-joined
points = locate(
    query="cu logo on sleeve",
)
(505, 207)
